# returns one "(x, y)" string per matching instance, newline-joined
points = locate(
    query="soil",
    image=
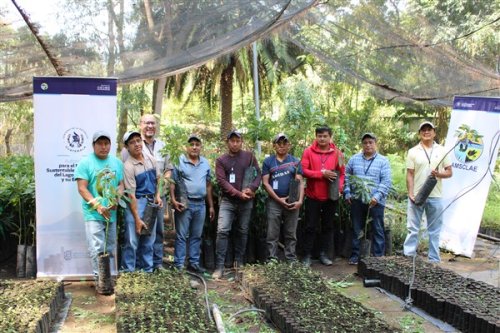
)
(90, 312)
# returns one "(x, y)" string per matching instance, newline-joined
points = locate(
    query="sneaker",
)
(218, 273)
(307, 261)
(325, 261)
(159, 269)
(353, 261)
(196, 269)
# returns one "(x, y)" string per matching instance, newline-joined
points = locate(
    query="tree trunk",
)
(122, 119)
(8, 152)
(226, 93)
(158, 92)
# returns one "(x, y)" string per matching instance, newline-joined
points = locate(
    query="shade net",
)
(393, 46)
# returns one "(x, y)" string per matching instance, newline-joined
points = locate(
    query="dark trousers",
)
(359, 212)
(319, 218)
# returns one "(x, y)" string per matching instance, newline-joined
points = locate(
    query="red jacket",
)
(313, 161)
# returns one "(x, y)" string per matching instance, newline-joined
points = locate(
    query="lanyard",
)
(428, 155)
(369, 165)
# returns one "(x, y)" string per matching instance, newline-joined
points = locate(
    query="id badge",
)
(275, 184)
(232, 178)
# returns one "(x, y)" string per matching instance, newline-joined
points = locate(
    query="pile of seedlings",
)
(297, 299)
(468, 305)
(159, 302)
(29, 306)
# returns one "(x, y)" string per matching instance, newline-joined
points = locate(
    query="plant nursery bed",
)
(297, 299)
(467, 304)
(160, 302)
(29, 306)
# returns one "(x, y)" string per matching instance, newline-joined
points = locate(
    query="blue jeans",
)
(96, 237)
(359, 212)
(433, 208)
(229, 211)
(189, 226)
(158, 244)
(275, 215)
(137, 251)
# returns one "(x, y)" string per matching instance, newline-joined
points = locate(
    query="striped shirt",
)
(376, 170)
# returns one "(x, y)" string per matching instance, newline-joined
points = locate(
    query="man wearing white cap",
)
(141, 180)
(96, 175)
(426, 159)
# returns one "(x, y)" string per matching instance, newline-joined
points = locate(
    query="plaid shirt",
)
(376, 169)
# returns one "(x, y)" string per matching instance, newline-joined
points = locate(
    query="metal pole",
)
(256, 90)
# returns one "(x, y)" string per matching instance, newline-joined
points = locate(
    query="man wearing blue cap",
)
(237, 199)
(278, 171)
(96, 175)
(375, 170)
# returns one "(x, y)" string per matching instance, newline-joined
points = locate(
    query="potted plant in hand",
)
(114, 199)
(361, 190)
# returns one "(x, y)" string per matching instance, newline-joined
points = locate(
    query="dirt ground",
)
(89, 312)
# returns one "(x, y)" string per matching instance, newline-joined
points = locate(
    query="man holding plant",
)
(238, 175)
(194, 171)
(154, 147)
(322, 164)
(99, 178)
(278, 174)
(367, 184)
(426, 159)
(142, 182)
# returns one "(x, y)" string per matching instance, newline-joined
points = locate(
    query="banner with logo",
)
(473, 134)
(67, 113)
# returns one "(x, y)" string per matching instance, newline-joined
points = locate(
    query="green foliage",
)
(17, 198)
(491, 215)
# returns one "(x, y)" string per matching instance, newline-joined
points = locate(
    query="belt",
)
(196, 199)
(149, 196)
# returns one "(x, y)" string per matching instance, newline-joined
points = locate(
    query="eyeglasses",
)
(150, 123)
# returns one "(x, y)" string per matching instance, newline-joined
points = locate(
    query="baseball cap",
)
(128, 134)
(100, 134)
(234, 132)
(194, 137)
(368, 135)
(280, 136)
(426, 123)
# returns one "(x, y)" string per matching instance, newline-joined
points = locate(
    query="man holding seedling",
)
(238, 175)
(367, 184)
(282, 180)
(153, 146)
(194, 172)
(323, 165)
(99, 178)
(426, 159)
(141, 181)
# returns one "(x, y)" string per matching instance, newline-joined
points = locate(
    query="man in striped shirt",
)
(367, 171)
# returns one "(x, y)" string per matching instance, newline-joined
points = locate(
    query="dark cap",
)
(194, 137)
(235, 133)
(280, 136)
(100, 134)
(128, 134)
(426, 123)
(368, 135)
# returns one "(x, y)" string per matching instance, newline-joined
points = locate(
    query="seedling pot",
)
(364, 248)
(104, 283)
(293, 190)
(333, 189)
(149, 218)
(21, 261)
(30, 261)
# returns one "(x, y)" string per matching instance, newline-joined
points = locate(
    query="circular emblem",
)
(75, 139)
(44, 86)
(469, 150)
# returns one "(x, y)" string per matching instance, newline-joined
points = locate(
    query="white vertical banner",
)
(67, 113)
(474, 129)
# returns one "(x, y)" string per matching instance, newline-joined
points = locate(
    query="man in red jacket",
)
(322, 164)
